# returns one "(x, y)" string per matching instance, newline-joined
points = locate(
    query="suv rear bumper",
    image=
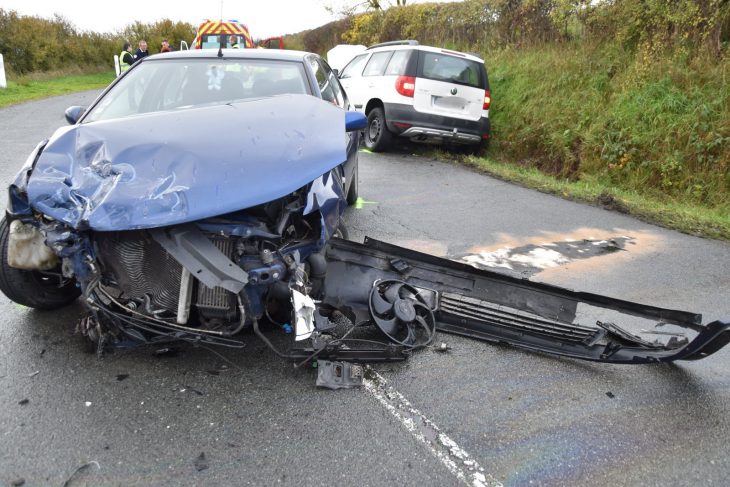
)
(433, 128)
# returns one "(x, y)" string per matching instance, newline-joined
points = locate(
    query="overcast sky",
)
(265, 18)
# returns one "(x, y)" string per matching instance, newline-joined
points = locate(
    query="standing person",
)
(234, 42)
(141, 51)
(165, 46)
(125, 58)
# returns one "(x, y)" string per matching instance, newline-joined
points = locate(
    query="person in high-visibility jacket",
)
(234, 42)
(125, 58)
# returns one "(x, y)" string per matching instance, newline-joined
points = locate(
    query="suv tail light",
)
(405, 85)
(487, 100)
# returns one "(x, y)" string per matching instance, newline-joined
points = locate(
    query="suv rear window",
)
(452, 69)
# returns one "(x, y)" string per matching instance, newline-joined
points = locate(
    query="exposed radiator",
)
(140, 266)
(217, 302)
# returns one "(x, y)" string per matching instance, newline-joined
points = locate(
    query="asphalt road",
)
(527, 419)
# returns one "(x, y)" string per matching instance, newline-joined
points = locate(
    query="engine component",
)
(400, 312)
(27, 248)
(216, 302)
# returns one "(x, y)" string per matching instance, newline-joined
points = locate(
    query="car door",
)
(353, 82)
(332, 91)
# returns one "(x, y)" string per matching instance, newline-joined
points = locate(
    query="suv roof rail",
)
(395, 43)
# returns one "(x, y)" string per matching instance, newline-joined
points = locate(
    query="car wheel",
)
(353, 192)
(479, 148)
(377, 135)
(34, 289)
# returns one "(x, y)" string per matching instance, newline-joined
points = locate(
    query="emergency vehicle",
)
(209, 32)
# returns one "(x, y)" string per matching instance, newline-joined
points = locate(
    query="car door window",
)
(397, 64)
(328, 84)
(354, 67)
(377, 63)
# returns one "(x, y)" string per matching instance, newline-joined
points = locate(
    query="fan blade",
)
(411, 338)
(380, 305)
(389, 327)
(428, 311)
(406, 292)
(424, 324)
(392, 294)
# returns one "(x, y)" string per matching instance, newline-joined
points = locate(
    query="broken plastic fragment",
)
(201, 463)
(304, 313)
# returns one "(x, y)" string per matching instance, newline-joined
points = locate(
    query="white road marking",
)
(451, 455)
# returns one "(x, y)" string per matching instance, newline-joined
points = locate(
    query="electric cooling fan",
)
(399, 310)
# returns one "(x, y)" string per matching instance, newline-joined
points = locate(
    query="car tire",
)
(377, 135)
(480, 148)
(354, 192)
(32, 288)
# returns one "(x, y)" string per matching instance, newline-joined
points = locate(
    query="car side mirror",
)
(355, 121)
(73, 114)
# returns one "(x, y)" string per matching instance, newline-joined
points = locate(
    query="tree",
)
(346, 8)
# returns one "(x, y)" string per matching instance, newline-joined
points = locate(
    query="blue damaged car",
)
(202, 195)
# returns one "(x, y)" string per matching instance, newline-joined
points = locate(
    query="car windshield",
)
(171, 84)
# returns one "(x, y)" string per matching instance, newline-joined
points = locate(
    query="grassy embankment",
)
(597, 124)
(31, 87)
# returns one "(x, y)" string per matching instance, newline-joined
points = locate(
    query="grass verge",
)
(33, 88)
(684, 217)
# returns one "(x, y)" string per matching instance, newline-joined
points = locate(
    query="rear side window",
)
(377, 63)
(452, 69)
(397, 64)
(354, 67)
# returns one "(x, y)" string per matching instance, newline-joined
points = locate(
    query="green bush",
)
(33, 44)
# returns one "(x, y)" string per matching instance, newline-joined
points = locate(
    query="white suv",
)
(423, 93)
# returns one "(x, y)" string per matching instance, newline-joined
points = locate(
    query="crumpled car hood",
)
(180, 166)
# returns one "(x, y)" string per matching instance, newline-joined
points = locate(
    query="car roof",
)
(420, 47)
(277, 54)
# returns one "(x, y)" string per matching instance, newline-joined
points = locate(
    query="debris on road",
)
(17, 482)
(23, 402)
(339, 375)
(33, 374)
(442, 347)
(610, 394)
(121, 377)
(87, 403)
(79, 471)
(201, 462)
(186, 388)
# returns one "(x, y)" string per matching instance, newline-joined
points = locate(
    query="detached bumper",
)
(405, 121)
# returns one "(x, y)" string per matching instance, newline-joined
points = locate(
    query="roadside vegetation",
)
(47, 57)
(624, 104)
